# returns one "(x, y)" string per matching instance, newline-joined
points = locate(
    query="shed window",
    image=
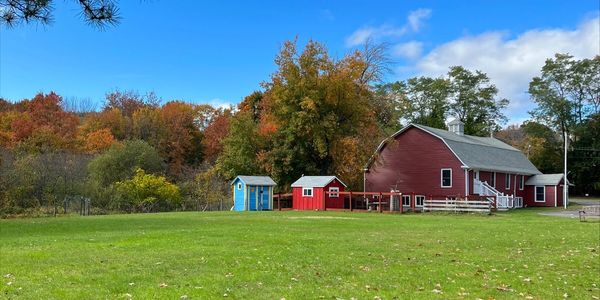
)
(522, 182)
(239, 185)
(507, 181)
(419, 200)
(406, 200)
(334, 192)
(307, 192)
(446, 178)
(493, 179)
(540, 194)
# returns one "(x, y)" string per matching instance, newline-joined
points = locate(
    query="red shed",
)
(309, 193)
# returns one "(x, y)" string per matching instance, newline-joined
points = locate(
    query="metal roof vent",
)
(457, 127)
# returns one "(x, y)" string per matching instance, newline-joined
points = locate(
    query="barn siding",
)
(412, 164)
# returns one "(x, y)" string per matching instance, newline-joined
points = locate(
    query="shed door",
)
(264, 198)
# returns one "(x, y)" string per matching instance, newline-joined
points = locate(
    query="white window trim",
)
(522, 183)
(417, 202)
(493, 182)
(307, 189)
(507, 181)
(334, 189)
(405, 197)
(239, 186)
(535, 194)
(442, 178)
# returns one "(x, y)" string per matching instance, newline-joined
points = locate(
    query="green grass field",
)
(300, 255)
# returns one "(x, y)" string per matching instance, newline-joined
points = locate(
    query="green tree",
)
(121, 160)
(473, 101)
(147, 193)
(240, 147)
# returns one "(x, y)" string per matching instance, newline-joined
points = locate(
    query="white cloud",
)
(512, 62)
(410, 50)
(220, 103)
(415, 18)
(413, 24)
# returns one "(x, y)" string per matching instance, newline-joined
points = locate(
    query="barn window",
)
(307, 192)
(334, 192)
(406, 200)
(540, 194)
(419, 200)
(522, 182)
(239, 185)
(507, 181)
(493, 179)
(446, 177)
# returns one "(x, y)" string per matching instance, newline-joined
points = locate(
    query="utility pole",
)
(565, 181)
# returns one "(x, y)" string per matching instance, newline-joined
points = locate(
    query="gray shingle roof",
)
(545, 179)
(256, 180)
(315, 181)
(480, 153)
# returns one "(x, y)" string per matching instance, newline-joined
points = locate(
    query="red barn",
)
(423, 162)
(309, 193)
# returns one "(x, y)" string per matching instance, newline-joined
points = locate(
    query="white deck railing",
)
(503, 201)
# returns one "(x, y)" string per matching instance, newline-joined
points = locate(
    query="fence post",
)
(380, 208)
(350, 201)
(401, 203)
(412, 201)
(279, 201)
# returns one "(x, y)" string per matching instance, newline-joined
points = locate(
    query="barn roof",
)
(315, 181)
(480, 153)
(545, 179)
(256, 180)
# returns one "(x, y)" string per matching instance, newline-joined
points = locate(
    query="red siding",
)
(316, 202)
(412, 164)
(551, 191)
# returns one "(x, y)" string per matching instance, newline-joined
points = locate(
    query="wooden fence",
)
(458, 206)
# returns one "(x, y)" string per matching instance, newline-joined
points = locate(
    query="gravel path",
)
(572, 213)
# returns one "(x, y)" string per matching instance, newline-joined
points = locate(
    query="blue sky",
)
(217, 52)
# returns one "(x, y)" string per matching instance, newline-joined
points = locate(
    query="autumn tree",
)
(44, 124)
(99, 141)
(181, 140)
(215, 132)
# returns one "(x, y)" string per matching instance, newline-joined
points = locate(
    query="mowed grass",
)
(300, 255)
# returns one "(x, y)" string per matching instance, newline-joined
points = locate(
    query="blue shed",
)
(252, 193)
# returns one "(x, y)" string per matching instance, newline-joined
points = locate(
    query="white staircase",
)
(503, 202)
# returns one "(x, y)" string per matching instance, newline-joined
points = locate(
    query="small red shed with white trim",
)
(310, 193)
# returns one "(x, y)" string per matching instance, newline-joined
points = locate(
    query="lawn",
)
(300, 255)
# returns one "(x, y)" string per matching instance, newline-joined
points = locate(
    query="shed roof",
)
(545, 179)
(315, 181)
(256, 180)
(480, 153)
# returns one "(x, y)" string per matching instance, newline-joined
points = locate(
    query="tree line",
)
(315, 115)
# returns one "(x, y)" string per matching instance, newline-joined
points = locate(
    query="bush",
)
(147, 193)
(121, 161)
